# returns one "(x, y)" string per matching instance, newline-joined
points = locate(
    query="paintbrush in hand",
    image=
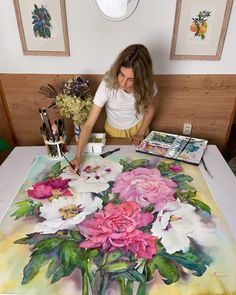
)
(72, 166)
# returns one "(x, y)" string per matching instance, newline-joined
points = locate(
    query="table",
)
(222, 185)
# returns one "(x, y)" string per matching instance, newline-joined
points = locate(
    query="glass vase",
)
(77, 130)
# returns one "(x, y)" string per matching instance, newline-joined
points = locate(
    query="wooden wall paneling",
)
(207, 101)
(24, 100)
(5, 128)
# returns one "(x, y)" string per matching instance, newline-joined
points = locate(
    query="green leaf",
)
(104, 197)
(164, 168)
(59, 274)
(56, 169)
(36, 9)
(127, 166)
(25, 208)
(199, 204)
(139, 163)
(185, 195)
(47, 245)
(182, 178)
(191, 260)
(118, 266)
(113, 256)
(90, 253)
(33, 266)
(166, 268)
(185, 186)
(70, 256)
(149, 209)
(53, 266)
(76, 235)
(47, 32)
(137, 276)
(33, 238)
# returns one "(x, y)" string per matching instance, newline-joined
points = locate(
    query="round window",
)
(116, 10)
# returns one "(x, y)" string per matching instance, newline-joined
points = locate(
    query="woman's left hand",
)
(136, 139)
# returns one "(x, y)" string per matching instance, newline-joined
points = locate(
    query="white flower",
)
(177, 222)
(65, 213)
(94, 175)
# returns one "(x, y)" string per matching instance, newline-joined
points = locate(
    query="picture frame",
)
(42, 27)
(199, 29)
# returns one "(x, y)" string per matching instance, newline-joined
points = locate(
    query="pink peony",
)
(116, 226)
(175, 168)
(49, 188)
(145, 187)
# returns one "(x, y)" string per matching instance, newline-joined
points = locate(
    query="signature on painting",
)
(218, 274)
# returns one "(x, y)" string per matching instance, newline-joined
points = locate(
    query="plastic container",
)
(96, 143)
(54, 149)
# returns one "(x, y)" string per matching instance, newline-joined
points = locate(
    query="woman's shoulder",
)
(104, 85)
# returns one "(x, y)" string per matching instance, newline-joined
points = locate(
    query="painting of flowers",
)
(128, 224)
(42, 27)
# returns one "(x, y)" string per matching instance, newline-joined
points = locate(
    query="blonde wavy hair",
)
(137, 57)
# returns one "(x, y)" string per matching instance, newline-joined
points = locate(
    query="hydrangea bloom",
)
(49, 188)
(117, 226)
(65, 213)
(145, 187)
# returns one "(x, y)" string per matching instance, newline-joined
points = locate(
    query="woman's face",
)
(126, 79)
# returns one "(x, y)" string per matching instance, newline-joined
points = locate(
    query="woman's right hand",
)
(75, 164)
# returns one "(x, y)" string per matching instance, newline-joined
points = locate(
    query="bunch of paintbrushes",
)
(54, 135)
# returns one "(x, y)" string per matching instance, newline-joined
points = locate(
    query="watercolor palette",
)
(173, 146)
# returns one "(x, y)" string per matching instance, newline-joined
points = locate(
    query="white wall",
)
(95, 41)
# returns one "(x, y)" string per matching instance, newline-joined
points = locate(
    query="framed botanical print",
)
(199, 29)
(42, 26)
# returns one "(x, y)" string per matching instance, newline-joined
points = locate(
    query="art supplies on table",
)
(173, 146)
(95, 143)
(54, 135)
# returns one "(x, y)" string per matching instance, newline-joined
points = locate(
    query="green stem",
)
(85, 283)
(92, 282)
(121, 282)
(104, 284)
(142, 289)
(129, 287)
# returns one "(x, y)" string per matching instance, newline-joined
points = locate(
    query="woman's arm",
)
(85, 133)
(147, 118)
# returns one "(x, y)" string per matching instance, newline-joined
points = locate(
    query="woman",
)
(128, 92)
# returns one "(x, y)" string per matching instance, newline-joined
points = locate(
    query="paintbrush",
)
(46, 119)
(76, 171)
(184, 146)
(206, 169)
(109, 152)
(41, 115)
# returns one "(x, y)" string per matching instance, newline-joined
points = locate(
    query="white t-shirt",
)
(120, 106)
